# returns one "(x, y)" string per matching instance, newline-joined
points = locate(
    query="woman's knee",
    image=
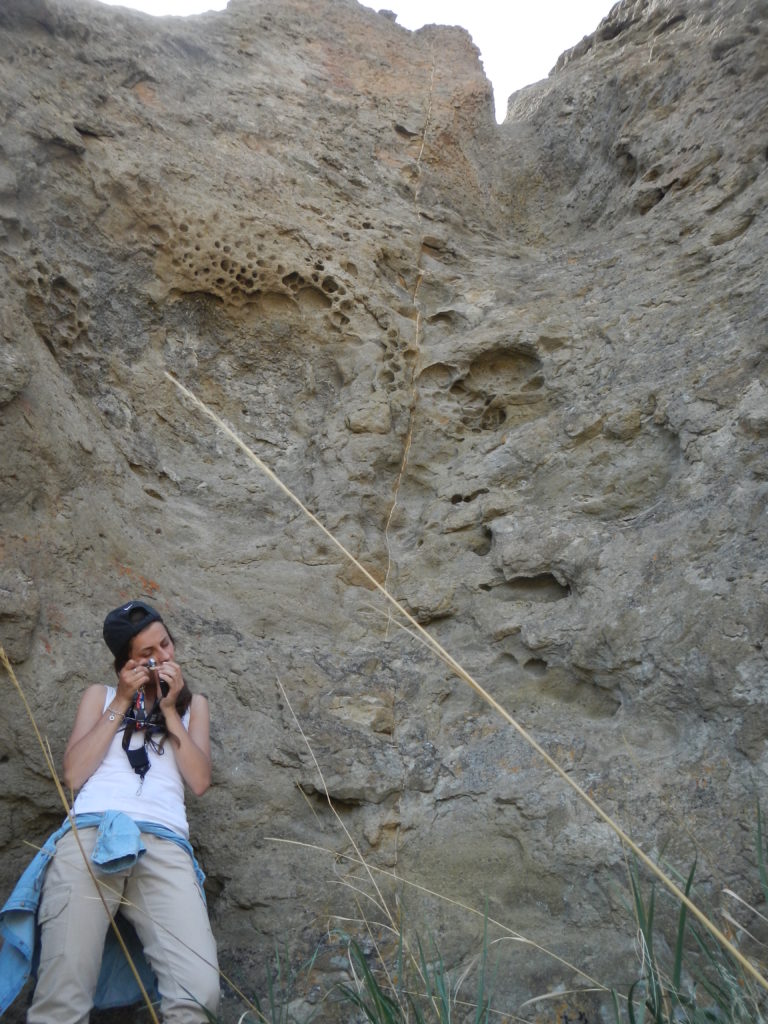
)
(200, 980)
(199, 1003)
(209, 991)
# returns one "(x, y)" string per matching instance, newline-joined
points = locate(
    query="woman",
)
(132, 749)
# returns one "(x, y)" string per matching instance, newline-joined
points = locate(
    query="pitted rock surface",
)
(520, 370)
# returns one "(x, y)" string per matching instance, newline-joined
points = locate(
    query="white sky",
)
(519, 40)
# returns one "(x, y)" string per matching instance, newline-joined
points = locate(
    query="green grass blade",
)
(631, 1005)
(616, 1006)
(763, 874)
(379, 1008)
(682, 921)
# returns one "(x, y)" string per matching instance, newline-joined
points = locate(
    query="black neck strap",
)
(138, 757)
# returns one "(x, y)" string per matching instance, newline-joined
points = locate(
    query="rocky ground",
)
(520, 370)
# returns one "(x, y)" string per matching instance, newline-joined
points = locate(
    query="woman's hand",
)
(169, 673)
(132, 676)
(192, 746)
(136, 674)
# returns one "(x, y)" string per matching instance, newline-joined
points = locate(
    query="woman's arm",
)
(191, 747)
(91, 735)
(95, 727)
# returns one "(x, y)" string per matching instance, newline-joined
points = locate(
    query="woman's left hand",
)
(170, 673)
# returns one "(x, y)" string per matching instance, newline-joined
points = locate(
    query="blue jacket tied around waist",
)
(118, 847)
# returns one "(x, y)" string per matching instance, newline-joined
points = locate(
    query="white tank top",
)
(114, 786)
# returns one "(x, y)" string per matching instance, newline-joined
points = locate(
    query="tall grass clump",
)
(281, 1003)
(420, 989)
(692, 979)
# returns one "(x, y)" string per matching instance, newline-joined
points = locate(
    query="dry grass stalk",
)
(511, 934)
(463, 674)
(380, 901)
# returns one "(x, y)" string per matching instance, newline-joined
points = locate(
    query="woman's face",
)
(152, 642)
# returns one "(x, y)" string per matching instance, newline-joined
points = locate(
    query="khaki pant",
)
(159, 895)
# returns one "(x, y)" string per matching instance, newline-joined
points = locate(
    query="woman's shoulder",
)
(197, 711)
(96, 693)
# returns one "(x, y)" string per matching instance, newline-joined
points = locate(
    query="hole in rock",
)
(438, 375)
(503, 369)
(541, 588)
(649, 198)
(536, 666)
(340, 803)
(482, 546)
(675, 19)
(456, 499)
(445, 316)
(491, 419)
(312, 298)
(277, 302)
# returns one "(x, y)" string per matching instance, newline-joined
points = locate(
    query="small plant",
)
(703, 984)
(282, 996)
(420, 989)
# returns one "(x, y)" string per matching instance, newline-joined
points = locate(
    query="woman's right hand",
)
(131, 676)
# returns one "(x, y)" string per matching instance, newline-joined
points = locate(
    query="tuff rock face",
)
(521, 371)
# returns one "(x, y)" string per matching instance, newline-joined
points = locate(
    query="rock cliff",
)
(520, 370)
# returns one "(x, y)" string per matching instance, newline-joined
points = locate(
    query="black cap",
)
(122, 624)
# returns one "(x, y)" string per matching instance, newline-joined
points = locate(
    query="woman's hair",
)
(185, 697)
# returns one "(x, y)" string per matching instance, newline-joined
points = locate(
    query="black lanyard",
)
(148, 724)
